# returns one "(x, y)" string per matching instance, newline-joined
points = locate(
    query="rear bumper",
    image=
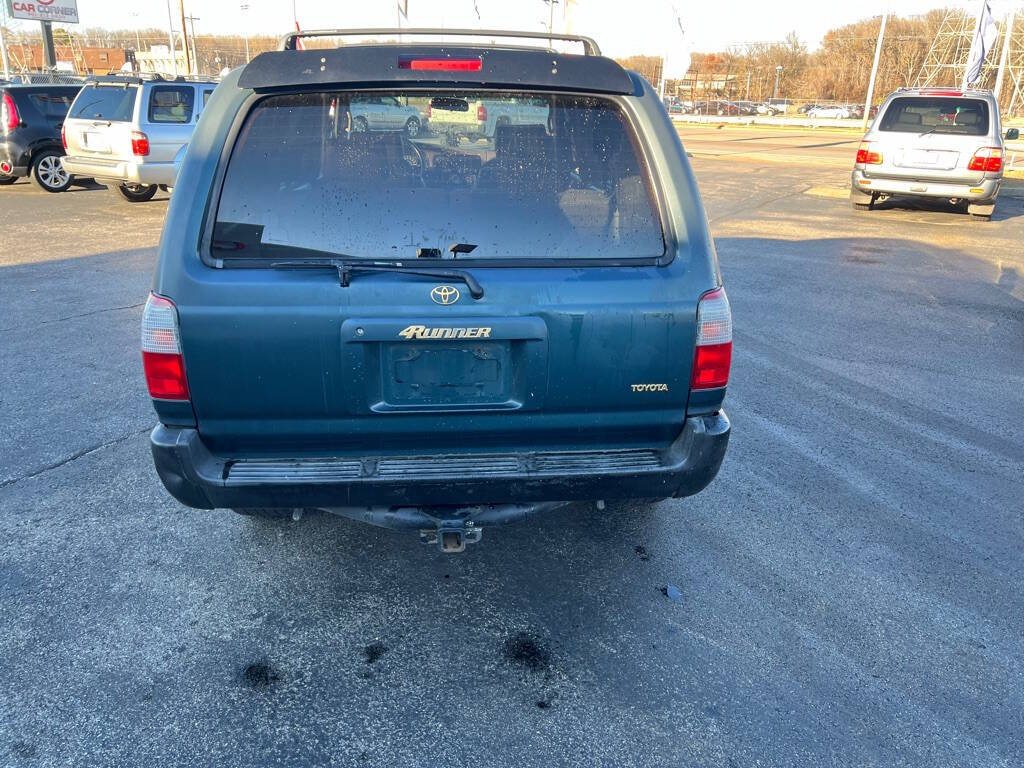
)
(127, 171)
(965, 189)
(14, 158)
(197, 478)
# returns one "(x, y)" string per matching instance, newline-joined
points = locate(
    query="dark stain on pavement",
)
(260, 675)
(525, 650)
(374, 651)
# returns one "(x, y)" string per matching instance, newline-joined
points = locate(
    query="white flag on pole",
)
(984, 39)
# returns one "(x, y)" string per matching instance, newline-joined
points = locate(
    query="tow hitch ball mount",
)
(452, 537)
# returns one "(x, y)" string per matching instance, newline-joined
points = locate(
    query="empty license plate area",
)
(394, 370)
(447, 374)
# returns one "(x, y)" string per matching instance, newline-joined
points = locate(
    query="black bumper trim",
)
(198, 478)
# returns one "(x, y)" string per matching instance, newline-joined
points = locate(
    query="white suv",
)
(126, 132)
(942, 143)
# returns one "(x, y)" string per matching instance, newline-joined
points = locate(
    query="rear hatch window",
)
(53, 106)
(936, 114)
(552, 177)
(114, 103)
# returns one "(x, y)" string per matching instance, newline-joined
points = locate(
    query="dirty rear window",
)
(105, 102)
(936, 114)
(388, 175)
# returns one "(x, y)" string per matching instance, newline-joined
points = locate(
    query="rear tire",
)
(135, 193)
(48, 171)
(412, 127)
(359, 125)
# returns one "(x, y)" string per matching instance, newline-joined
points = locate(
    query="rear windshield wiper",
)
(346, 269)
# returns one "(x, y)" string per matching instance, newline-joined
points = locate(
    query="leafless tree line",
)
(837, 71)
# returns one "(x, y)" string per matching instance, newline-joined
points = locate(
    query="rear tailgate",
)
(99, 123)
(380, 367)
(583, 339)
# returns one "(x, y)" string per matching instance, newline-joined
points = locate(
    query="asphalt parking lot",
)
(850, 587)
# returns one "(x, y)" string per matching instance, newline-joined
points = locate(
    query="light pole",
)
(778, 74)
(244, 8)
(170, 39)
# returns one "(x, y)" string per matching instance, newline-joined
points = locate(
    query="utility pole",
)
(1007, 34)
(778, 74)
(746, 97)
(195, 59)
(3, 43)
(874, 72)
(170, 39)
(48, 52)
(184, 38)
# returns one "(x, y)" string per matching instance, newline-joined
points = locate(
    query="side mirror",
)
(1012, 134)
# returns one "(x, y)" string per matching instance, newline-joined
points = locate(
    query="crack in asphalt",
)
(73, 317)
(73, 457)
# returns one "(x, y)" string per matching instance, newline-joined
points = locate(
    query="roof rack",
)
(287, 43)
(147, 77)
(936, 88)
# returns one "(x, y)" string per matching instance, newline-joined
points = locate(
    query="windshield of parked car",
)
(115, 103)
(936, 114)
(389, 175)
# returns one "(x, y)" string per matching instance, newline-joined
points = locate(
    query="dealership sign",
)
(65, 11)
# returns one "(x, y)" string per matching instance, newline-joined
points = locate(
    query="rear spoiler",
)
(388, 65)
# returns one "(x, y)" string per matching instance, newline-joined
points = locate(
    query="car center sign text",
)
(65, 11)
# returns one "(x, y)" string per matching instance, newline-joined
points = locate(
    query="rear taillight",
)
(9, 116)
(430, 111)
(63, 138)
(140, 144)
(868, 154)
(987, 159)
(714, 341)
(481, 113)
(162, 360)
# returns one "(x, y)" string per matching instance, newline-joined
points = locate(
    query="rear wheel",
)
(412, 127)
(359, 125)
(135, 193)
(48, 171)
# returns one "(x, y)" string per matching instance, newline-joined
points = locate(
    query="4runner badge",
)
(423, 332)
(649, 387)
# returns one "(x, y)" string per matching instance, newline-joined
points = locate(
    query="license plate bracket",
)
(446, 374)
